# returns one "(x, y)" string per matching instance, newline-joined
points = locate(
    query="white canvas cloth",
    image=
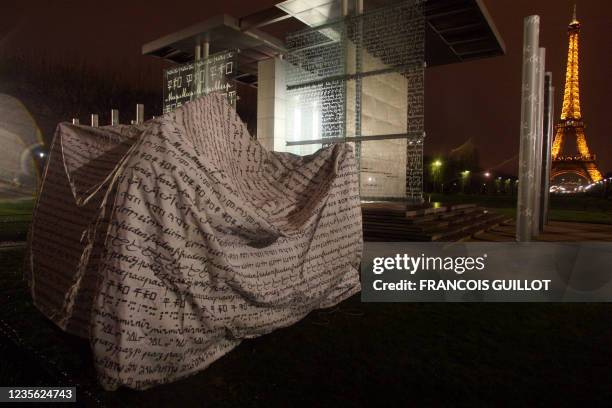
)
(167, 243)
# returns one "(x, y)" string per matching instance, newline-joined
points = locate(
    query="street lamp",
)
(464, 176)
(487, 176)
(436, 166)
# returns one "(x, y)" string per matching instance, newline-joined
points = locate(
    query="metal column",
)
(549, 112)
(529, 115)
(539, 144)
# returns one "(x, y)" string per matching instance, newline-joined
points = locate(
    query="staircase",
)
(386, 221)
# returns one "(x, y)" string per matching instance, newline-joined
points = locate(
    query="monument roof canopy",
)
(456, 31)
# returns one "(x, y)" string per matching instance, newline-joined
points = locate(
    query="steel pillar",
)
(529, 116)
(539, 144)
(549, 112)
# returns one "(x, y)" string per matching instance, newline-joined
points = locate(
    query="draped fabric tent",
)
(167, 243)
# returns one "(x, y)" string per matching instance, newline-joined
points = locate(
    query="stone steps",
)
(450, 223)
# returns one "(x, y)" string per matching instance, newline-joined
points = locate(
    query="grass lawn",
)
(14, 207)
(562, 208)
(15, 218)
(359, 354)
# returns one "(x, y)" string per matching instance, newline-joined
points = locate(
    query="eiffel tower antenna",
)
(574, 18)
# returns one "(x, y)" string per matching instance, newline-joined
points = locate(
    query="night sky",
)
(478, 100)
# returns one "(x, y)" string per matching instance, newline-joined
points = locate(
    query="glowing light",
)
(582, 144)
(487, 174)
(595, 175)
(571, 117)
(571, 96)
(20, 141)
(557, 143)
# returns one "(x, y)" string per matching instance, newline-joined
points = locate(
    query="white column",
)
(205, 55)
(94, 120)
(205, 49)
(271, 104)
(344, 7)
(529, 115)
(139, 113)
(114, 117)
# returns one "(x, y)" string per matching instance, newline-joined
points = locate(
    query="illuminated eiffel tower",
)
(571, 127)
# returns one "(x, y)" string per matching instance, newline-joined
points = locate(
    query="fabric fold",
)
(168, 242)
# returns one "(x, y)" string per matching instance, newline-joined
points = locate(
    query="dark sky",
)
(479, 99)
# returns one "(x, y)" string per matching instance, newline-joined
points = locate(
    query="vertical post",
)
(415, 113)
(75, 121)
(539, 144)
(344, 40)
(94, 120)
(358, 82)
(529, 113)
(205, 55)
(139, 113)
(198, 81)
(205, 49)
(549, 112)
(114, 117)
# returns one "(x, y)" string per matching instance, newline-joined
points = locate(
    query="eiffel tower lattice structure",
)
(571, 126)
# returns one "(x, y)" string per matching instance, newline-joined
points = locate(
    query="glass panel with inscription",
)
(186, 82)
(360, 79)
